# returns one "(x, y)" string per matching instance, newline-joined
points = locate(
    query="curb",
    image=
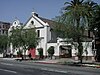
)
(46, 62)
(98, 66)
(83, 65)
(88, 65)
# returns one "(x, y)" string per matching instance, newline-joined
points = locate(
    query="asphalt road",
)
(11, 67)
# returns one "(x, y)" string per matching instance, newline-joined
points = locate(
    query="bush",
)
(19, 53)
(40, 51)
(51, 51)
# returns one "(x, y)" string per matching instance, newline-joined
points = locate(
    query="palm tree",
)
(75, 10)
(92, 7)
(78, 12)
(95, 24)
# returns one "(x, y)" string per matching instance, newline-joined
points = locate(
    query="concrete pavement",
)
(64, 61)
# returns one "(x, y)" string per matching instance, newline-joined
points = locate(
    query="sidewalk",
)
(62, 61)
(8, 58)
(47, 61)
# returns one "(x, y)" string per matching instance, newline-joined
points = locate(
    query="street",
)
(13, 67)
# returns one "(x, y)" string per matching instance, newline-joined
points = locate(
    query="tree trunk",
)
(80, 50)
(51, 56)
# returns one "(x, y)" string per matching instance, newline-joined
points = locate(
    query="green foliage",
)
(23, 38)
(15, 38)
(51, 51)
(40, 51)
(30, 38)
(19, 53)
(95, 20)
(68, 31)
(74, 21)
(3, 42)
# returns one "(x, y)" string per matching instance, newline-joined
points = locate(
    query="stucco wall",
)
(35, 23)
(55, 48)
(87, 49)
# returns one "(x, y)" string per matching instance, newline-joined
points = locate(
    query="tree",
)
(95, 24)
(23, 38)
(91, 10)
(74, 13)
(74, 20)
(15, 38)
(3, 43)
(95, 20)
(51, 51)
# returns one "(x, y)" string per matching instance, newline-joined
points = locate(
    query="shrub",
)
(51, 51)
(40, 51)
(19, 53)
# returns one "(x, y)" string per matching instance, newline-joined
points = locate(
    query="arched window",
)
(15, 22)
(32, 22)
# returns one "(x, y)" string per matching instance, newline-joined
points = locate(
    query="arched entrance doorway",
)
(65, 51)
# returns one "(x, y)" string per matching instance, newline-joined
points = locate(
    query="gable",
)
(34, 22)
(16, 23)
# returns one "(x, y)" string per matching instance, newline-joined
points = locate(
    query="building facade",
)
(44, 28)
(4, 26)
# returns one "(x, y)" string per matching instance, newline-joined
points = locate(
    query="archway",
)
(65, 51)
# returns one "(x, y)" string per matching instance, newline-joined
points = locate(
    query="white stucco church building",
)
(44, 29)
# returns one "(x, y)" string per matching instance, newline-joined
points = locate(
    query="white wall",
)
(55, 48)
(87, 46)
(1, 55)
(74, 50)
(41, 44)
(35, 24)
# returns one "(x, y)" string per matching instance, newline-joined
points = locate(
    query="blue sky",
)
(10, 9)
